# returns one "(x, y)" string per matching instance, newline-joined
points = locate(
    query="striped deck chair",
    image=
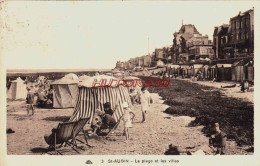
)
(79, 128)
(115, 127)
(63, 134)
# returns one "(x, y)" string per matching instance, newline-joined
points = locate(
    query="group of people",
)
(44, 92)
(103, 121)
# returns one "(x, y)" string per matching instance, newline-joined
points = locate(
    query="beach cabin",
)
(184, 70)
(197, 68)
(225, 72)
(249, 71)
(212, 72)
(206, 71)
(175, 69)
(238, 73)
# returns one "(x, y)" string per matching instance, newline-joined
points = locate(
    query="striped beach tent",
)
(91, 98)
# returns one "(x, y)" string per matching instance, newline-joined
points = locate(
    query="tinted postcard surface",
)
(129, 83)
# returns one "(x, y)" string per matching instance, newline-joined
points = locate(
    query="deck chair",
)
(79, 128)
(63, 134)
(115, 127)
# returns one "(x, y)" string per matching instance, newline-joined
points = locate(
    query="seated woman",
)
(103, 120)
(108, 122)
(107, 108)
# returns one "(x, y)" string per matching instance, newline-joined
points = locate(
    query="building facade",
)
(189, 44)
(235, 39)
(242, 33)
(221, 40)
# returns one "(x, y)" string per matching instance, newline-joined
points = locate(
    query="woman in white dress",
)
(145, 98)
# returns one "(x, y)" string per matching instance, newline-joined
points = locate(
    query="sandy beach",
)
(150, 138)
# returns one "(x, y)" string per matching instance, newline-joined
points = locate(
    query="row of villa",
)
(231, 42)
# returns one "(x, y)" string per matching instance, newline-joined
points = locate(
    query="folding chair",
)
(79, 126)
(63, 134)
(115, 127)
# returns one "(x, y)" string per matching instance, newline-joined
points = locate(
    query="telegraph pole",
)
(148, 47)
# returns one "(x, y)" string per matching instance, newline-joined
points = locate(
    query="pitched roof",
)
(188, 28)
(187, 36)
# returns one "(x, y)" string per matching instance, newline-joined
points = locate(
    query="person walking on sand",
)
(145, 99)
(29, 101)
(126, 120)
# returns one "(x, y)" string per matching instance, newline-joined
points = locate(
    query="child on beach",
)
(126, 120)
(29, 101)
(218, 140)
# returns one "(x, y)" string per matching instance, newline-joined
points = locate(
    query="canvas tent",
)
(65, 92)
(91, 98)
(71, 76)
(17, 90)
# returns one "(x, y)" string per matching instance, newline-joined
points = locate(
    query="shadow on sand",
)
(40, 150)
(58, 118)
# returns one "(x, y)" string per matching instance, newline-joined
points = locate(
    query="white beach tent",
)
(17, 90)
(65, 92)
(91, 98)
(71, 76)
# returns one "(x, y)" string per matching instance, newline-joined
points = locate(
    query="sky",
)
(76, 35)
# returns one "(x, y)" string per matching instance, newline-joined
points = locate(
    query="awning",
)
(224, 65)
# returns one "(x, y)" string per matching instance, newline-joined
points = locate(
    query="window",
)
(237, 36)
(246, 35)
(242, 25)
(237, 27)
